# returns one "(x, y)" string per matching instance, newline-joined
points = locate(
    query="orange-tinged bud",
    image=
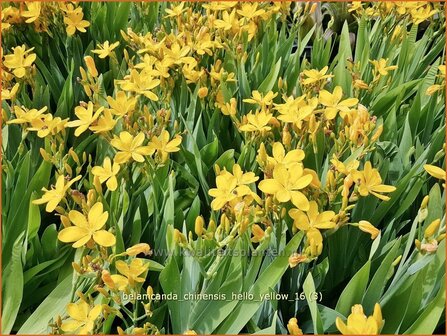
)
(296, 259)
(203, 92)
(90, 62)
(293, 328)
(107, 278)
(138, 248)
(258, 233)
(367, 227)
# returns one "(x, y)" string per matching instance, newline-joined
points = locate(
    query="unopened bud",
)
(432, 229)
(203, 92)
(89, 61)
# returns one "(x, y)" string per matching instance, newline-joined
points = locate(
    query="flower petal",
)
(72, 234)
(104, 238)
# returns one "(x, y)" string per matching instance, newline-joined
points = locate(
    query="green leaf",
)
(354, 291)
(379, 280)
(12, 287)
(245, 310)
(309, 290)
(428, 320)
(52, 306)
(170, 282)
(271, 78)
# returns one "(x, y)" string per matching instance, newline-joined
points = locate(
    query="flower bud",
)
(203, 92)
(107, 278)
(179, 237)
(432, 229)
(296, 259)
(258, 233)
(89, 61)
(199, 226)
(293, 328)
(138, 248)
(367, 227)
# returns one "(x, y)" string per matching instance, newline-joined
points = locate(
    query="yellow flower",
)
(367, 227)
(122, 105)
(86, 118)
(370, 182)
(175, 10)
(105, 49)
(250, 10)
(219, 5)
(54, 196)
(107, 173)
(83, 318)
(131, 272)
(312, 219)
(280, 156)
(230, 187)
(74, 21)
(105, 123)
(163, 146)
(140, 83)
(229, 108)
(333, 103)
(243, 178)
(4, 25)
(33, 12)
(432, 89)
(26, 116)
(295, 110)
(286, 185)
(436, 172)
(257, 122)
(293, 328)
(260, 99)
(381, 67)
(229, 21)
(314, 76)
(355, 6)
(19, 60)
(359, 324)
(421, 14)
(343, 168)
(10, 94)
(178, 55)
(130, 147)
(47, 125)
(87, 228)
